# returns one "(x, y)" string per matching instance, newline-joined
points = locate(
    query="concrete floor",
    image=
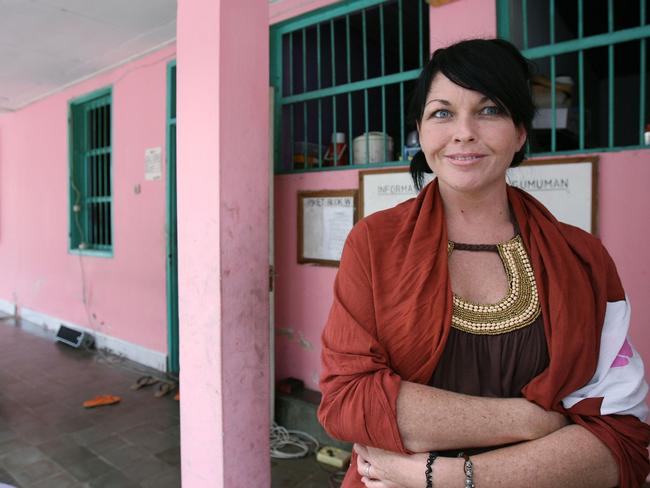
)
(48, 440)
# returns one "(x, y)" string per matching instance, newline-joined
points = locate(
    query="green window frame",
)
(598, 50)
(348, 68)
(90, 170)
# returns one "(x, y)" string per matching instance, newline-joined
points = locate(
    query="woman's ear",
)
(522, 134)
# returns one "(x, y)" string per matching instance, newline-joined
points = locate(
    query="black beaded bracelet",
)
(469, 472)
(432, 457)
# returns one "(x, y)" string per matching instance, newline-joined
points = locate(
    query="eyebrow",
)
(446, 103)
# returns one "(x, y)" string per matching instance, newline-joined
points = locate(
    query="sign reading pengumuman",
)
(565, 188)
(325, 219)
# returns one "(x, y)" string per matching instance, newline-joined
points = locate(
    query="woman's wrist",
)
(449, 472)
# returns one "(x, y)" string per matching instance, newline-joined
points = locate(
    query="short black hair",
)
(493, 67)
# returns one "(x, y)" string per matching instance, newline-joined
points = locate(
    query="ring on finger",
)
(368, 470)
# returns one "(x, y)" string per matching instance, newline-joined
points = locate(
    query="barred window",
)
(90, 174)
(591, 56)
(342, 77)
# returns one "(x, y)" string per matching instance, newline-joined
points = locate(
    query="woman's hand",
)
(543, 423)
(385, 469)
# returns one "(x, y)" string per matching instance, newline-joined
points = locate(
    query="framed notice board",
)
(325, 219)
(380, 189)
(568, 187)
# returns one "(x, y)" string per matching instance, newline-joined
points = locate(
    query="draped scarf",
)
(391, 317)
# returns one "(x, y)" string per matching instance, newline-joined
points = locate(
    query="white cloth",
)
(619, 378)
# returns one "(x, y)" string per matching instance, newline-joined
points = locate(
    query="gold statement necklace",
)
(518, 309)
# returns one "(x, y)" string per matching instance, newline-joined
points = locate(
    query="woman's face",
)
(467, 140)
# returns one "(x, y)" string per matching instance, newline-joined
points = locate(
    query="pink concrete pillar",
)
(223, 180)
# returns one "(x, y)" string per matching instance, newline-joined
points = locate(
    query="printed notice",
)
(564, 188)
(153, 163)
(326, 223)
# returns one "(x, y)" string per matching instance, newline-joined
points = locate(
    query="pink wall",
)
(126, 293)
(304, 293)
(223, 241)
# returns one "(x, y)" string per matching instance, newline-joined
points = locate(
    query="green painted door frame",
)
(170, 225)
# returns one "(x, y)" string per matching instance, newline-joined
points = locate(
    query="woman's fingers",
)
(370, 483)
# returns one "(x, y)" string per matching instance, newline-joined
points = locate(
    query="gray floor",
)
(48, 440)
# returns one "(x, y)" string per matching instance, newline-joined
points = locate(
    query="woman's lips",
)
(464, 158)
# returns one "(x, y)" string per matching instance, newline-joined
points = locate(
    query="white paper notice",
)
(153, 163)
(327, 221)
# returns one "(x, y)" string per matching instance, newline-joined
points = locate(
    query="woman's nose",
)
(465, 130)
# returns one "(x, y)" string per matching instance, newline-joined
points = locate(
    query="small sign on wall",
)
(153, 163)
(566, 186)
(325, 219)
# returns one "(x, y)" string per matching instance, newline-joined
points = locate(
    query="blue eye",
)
(441, 114)
(491, 110)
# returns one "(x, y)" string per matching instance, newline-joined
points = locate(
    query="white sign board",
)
(325, 222)
(153, 163)
(565, 188)
(382, 189)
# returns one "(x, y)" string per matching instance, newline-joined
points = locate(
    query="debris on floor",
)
(101, 400)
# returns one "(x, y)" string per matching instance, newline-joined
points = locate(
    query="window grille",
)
(592, 61)
(90, 174)
(346, 69)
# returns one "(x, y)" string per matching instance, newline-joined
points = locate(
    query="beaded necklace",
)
(518, 309)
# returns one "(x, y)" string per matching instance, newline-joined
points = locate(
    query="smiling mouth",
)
(465, 157)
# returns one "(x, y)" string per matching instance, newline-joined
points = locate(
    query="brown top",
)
(491, 365)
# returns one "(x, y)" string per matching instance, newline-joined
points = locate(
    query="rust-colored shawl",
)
(391, 317)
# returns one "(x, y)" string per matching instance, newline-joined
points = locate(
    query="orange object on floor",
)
(101, 400)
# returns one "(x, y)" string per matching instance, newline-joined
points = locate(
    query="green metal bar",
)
(401, 114)
(553, 107)
(350, 139)
(600, 40)
(364, 37)
(349, 70)
(420, 33)
(503, 19)
(642, 77)
(551, 20)
(333, 48)
(400, 25)
(100, 151)
(524, 22)
(290, 70)
(367, 124)
(292, 107)
(347, 49)
(320, 100)
(334, 128)
(581, 95)
(551, 13)
(304, 87)
(340, 9)
(383, 67)
(351, 87)
(104, 199)
(98, 179)
(276, 72)
(320, 132)
(610, 75)
(365, 77)
(383, 164)
(581, 78)
(610, 95)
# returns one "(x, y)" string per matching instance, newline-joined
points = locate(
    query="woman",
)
(470, 319)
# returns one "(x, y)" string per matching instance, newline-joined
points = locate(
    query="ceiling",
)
(47, 45)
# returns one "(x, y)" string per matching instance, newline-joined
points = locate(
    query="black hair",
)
(493, 67)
